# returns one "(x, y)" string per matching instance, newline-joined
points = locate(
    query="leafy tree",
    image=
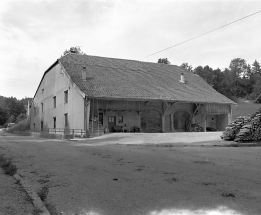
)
(256, 67)
(21, 117)
(187, 67)
(238, 67)
(163, 60)
(3, 116)
(73, 50)
(25, 100)
(14, 107)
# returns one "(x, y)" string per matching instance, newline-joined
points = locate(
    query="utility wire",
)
(201, 35)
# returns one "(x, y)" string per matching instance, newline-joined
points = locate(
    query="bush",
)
(7, 166)
(21, 126)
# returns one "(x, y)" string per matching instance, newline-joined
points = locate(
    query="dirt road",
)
(114, 179)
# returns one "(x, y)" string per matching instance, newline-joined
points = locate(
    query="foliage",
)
(7, 166)
(187, 67)
(163, 60)
(3, 116)
(73, 50)
(12, 110)
(239, 80)
(23, 125)
(21, 117)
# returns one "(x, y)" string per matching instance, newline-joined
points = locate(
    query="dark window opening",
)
(42, 107)
(66, 119)
(54, 122)
(54, 102)
(65, 96)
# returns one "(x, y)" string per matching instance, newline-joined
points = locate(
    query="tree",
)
(3, 116)
(187, 67)
(238, 67)
(163, 60)
(21, 117)
(73, 50)
(14, 107)
(256, 67)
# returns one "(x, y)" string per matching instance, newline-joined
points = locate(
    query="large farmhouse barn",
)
(82, 94)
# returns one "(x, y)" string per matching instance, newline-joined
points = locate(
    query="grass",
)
(7, 166)
(43, 193)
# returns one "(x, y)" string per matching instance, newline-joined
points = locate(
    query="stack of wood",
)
(247, 128)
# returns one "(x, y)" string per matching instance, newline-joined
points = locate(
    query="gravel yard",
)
(114, 176)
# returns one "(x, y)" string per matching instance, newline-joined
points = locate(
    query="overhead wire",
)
(200, 35)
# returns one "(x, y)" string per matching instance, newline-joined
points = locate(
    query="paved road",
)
(135, 179)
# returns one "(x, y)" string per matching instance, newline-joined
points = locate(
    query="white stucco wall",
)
(55, 83)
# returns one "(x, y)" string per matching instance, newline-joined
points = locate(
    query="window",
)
(66, 119)
(65, 96)
(41, 125)
(34, 126)
(54, 102)
(42, 107)
(54, 122)
(43, 91)
(34, 111)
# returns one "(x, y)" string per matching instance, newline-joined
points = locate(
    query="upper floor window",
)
(65, 96)
(34, 111)
(54, 102)
(41, 107)
(43, 91)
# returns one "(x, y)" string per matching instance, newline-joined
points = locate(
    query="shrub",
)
(7, 166)
(23, 125)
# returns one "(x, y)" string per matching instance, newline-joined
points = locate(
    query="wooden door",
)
(111, 122)
(180, 120)
(150, 121)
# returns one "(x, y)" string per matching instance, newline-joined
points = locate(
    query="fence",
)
(72, 133)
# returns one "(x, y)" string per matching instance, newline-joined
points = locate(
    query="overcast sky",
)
(35, 33)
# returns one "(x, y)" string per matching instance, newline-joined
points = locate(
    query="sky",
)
(35, 33)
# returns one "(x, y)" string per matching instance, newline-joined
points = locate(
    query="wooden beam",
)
(98, 118)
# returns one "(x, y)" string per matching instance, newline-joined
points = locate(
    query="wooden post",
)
(171, 122)
(92, 115)
(230, 114)
(163, 119)
(98, 118)
(204, 122)
(87, 117)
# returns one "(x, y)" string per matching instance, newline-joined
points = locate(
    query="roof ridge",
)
(123, 59)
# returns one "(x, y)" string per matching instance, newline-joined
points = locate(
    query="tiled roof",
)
(128, 79)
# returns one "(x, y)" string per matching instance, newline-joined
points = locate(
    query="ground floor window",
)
(66, 119)
(41, 125)
(54, 122)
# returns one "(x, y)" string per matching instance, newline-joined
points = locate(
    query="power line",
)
(201, 35)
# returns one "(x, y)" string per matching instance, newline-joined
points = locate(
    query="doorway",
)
(111, 123)
(180, 120)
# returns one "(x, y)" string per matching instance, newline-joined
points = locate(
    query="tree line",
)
(12, 110)
(239, 80)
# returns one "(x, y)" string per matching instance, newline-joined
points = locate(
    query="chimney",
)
(182, 78)
(84, 73)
